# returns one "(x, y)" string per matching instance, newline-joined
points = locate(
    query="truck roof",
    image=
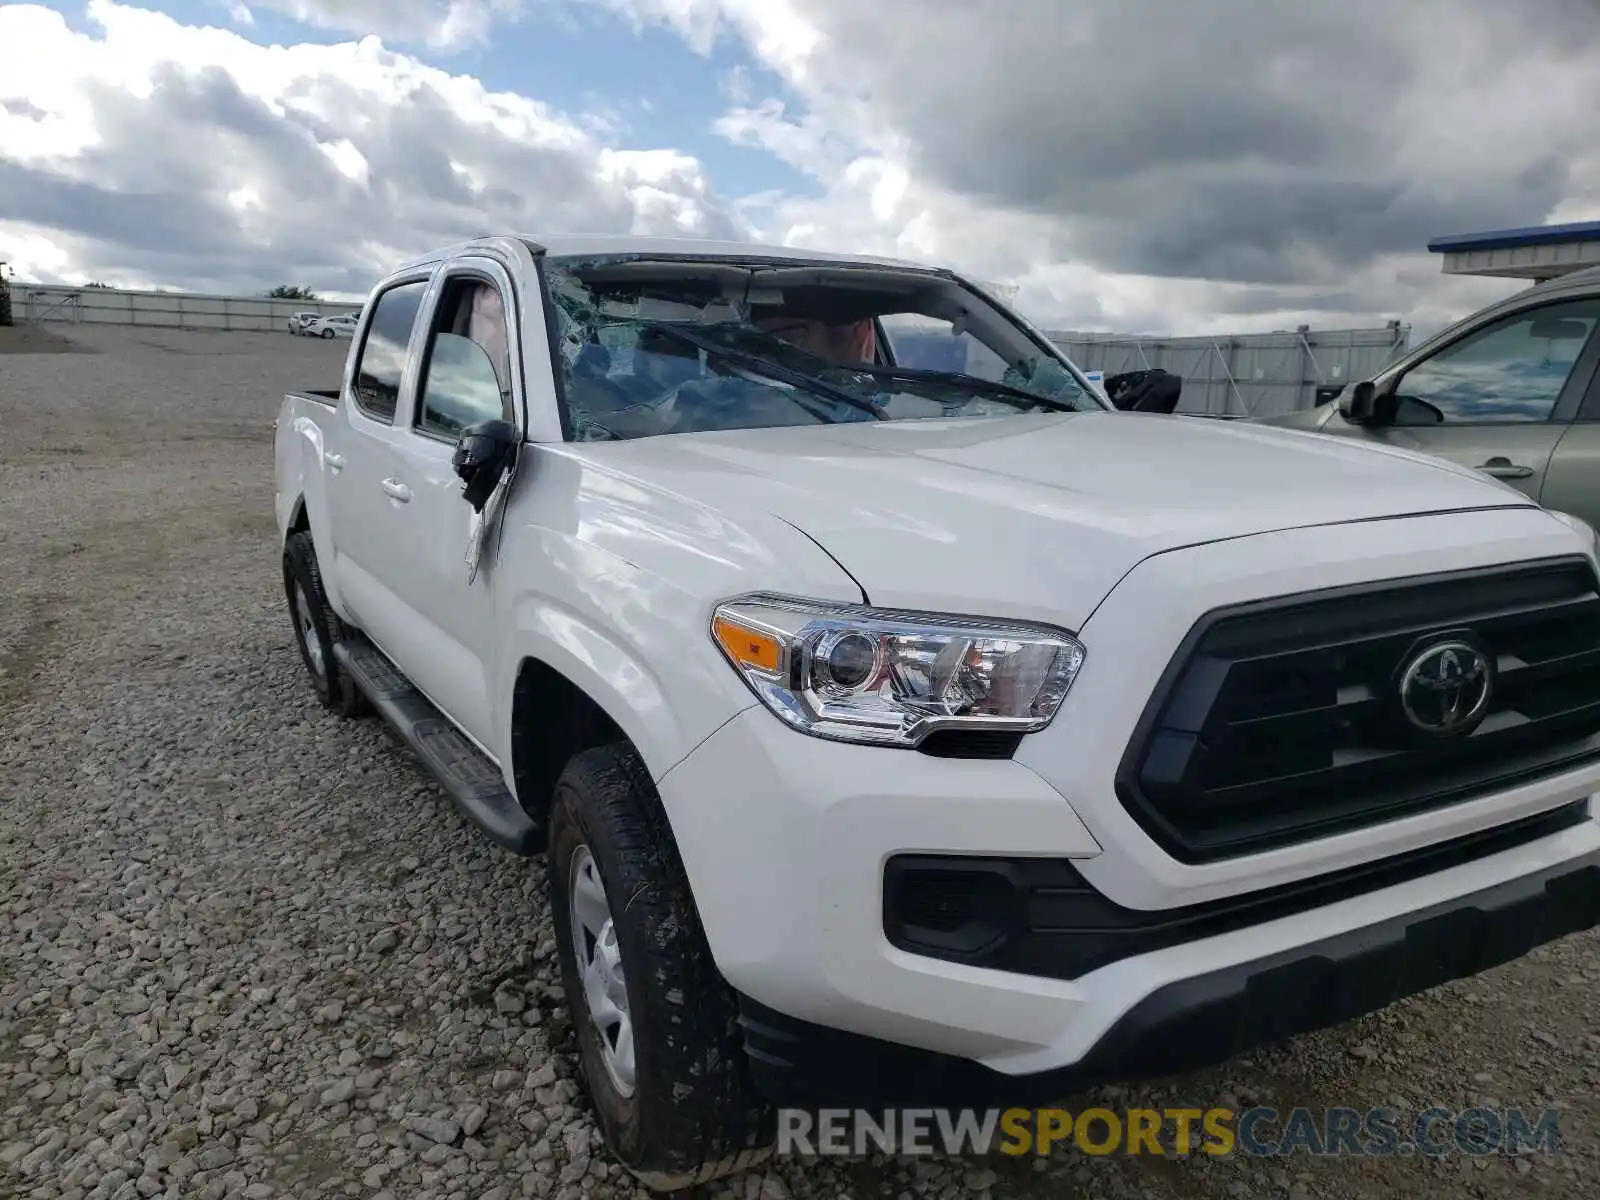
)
(598, 243)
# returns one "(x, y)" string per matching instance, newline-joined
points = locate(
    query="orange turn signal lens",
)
(747, 647)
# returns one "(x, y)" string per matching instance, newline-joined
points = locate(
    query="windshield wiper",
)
(766, 366)
(960, 379)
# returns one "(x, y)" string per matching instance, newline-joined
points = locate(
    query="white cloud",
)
(805, 143)
(1182, 166)
(152, 151)
(1139, 165)
(438, 24)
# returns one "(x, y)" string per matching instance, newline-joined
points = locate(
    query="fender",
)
(605, 653)
(613, 587)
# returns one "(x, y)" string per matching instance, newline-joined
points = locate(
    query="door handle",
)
(1503, 468)
(396, 490)
(335, 461)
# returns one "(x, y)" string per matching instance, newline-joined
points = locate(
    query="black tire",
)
(301, 575)
(693, 1115)
(327, 333)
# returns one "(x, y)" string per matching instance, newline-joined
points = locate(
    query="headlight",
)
(891, 678)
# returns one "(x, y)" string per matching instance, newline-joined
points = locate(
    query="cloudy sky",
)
(1155, 166)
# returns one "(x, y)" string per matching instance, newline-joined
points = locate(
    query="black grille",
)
(1281, 721)
(971, 743)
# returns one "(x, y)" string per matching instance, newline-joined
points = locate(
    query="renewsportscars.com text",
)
(1177, 1132)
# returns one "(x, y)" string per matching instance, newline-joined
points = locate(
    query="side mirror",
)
(1152, 391)
(483, 453)
(1359, 404)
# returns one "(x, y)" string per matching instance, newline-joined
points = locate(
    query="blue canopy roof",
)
(1512, 239)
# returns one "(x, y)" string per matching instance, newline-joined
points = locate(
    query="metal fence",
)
(1255, 374)
(173, 310)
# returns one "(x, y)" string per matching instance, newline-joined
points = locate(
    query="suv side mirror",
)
(483, 452)
(1359, 404)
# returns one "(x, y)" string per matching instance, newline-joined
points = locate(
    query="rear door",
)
(1500, 397)
(365, 497)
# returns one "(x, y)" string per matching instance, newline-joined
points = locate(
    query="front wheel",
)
(656, 1024)
(327, 334)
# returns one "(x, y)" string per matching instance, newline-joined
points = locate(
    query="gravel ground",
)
(36, 339)
(247, 950)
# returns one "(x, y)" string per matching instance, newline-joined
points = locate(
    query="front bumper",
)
(1202, 1019)
(786, 839)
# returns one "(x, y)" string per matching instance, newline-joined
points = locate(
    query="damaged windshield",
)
(649, 346)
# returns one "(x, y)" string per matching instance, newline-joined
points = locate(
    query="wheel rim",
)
(308, 632)
(605, 994)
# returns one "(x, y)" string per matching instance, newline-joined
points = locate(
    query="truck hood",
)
(1036, 516)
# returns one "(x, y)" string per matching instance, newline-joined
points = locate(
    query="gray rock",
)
(213, 1157)
(328, 1013)
(383, 941)
(435, 1129)
(339, 1093)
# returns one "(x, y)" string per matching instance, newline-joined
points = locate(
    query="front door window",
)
(1510, 371)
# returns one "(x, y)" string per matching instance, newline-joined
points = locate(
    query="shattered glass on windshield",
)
(646, 348)
(1044, 376)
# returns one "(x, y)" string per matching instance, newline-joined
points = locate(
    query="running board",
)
(470, 778)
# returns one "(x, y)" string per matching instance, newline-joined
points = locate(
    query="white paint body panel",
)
(1124, 529)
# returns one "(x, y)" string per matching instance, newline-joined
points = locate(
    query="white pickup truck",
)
(932, 734)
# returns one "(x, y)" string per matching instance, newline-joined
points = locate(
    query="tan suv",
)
(1512, 391)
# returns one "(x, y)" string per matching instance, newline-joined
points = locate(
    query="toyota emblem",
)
(1445, 688)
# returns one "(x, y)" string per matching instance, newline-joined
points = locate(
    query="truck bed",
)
(328, 397)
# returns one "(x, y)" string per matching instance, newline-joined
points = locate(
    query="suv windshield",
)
(650, 346)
